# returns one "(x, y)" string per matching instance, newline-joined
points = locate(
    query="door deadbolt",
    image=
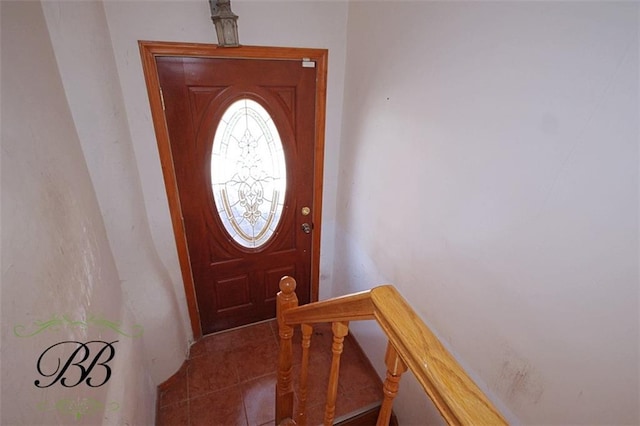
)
(306, 228)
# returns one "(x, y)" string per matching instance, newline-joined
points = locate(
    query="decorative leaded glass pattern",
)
(248, 173)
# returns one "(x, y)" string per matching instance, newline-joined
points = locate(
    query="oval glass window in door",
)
(248, 173)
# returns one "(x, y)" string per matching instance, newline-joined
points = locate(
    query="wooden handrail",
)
(454, 394)
(354, 307)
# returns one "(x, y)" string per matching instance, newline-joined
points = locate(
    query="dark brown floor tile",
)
(197, 349)
(211, 373)
(344, 406)
(359, 385)
(174, 415)
(239, 337)
(322, 336)
(356, 378)
(218, 408)
(315, 414)
(348, 404)
(323, 329)
(274, 327)
(230, 379)
(218, 342)
(176, 389)
(317, 382)
(320, 345)
(256, 359)
(254, 333)
(260, 399)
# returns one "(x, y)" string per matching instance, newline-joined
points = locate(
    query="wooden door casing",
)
(150, 51)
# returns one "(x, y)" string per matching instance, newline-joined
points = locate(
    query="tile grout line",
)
(188, 392)
(244, 406)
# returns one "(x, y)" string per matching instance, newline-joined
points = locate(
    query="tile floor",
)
(230, 379)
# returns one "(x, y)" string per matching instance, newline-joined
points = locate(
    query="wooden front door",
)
(242, 134)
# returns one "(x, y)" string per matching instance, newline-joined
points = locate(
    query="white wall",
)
(489, 169)
(84, 53)
(508, 212)
(93, 79)
(57, 265)
(317, 24)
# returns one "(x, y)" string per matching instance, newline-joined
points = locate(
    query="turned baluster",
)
(286, 299)
(395, 368)
(301, 415)
(340, 330)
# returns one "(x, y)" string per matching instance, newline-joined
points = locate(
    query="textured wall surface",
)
(489, 169)
(60, 285)
(85, 58)
(87, 232)
(487, 166)
(318, 24)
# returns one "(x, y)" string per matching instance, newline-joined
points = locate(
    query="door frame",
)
(149, 50)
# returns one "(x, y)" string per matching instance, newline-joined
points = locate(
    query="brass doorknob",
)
(306, 228)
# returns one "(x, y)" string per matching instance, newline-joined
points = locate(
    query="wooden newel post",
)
(286, 299)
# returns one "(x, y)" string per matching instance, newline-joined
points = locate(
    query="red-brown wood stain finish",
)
(236, 285)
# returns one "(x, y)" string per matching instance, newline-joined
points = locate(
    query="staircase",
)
(411, 346)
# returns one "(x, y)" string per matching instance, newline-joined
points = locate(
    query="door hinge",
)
(162, 98)
(308, 63)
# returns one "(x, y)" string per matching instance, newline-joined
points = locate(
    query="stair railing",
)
(411, 346)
